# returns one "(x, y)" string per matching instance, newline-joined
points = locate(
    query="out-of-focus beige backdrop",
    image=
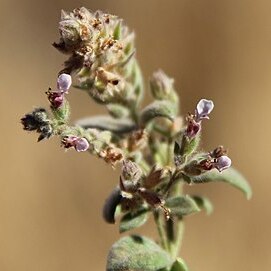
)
(50, 201)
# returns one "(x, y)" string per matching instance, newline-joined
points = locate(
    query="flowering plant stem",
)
(157, 151)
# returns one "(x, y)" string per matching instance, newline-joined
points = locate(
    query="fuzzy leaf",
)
(179, 265)
(110, 205)
(107, 123)
(182, 205)
(204, 203)
(117, 111)
(136, 253)
(158, 109)
(230, 175)
(133, 220)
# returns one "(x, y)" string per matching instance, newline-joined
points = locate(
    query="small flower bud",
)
(64, 82)
(204, 108)
(55, 98)
(129, 178)
(130, 171)
(161, 85)
(78, 143)
(70, 31)
(223, 162)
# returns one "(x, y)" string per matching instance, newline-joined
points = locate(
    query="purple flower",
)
(64, 82)
(223, 162)
(204, 108)
(79, 143)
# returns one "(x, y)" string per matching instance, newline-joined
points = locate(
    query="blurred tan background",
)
(50, 201)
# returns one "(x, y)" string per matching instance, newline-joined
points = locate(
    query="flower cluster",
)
(101, 50)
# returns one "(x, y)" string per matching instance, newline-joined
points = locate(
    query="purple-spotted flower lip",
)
(223, 162)
(204, 108)
(64, 82)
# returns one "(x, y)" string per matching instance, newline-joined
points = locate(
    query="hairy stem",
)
(161, 230)
(175, 229)
(178, 238)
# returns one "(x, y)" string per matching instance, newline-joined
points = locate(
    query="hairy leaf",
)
(158, 109)
(230, 175)
(107, 123)
(117, 111)
(204, 203)
(136, 253)
(182, 205)
(133, 220)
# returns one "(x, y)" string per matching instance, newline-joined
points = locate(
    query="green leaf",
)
(117, 111)
(230, 175)
(136, 253)
(179, 265)
(204, 203)
(182, 205)
(108, 123)
(156, 109)
(133, 220)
